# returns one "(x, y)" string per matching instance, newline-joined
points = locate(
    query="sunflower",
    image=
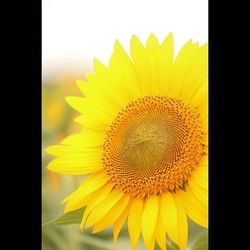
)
(143, 144)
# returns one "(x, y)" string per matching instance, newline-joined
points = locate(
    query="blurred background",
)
(74, 32)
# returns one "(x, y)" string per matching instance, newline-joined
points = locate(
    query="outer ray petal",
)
(84, 106)
(90, 123)
(112, 215)
(196, 209)
(149, 219)
(134, 221)
(124, 72)
(90, 185)
(200, 175)
(174, 219)
(167, 50)
(119, 223)
(77, 143)
(202, 109)
(77, 164)
(151, 246)
(102, 87)
(200, 178)
(103, 208)
(86, 138)
(182, 223)
(96, 198)
(99, 67)
(102, 99)
(106, 83)
(152, 46)
(142, 66)
(160, 234)
(169, 216)
(69, 150)
(154, 57)
(180, 67)
(195, 84)
(200, 192)
(167, 58)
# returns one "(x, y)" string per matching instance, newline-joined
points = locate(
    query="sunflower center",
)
(152, 146)
(146, 143)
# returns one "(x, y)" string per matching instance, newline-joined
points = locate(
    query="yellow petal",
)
(197, 94)
(106, 84)
(167, 50)
(142, 66)
(200, 174)
(188, 50)
(62, 150)
(84, 86)
(182, 223)
(201, 106)
(154, 57)
(195, 80)
(202, 109)
(151, 245)
(87, 138)
(76, 164)
(112, 215)
(90, 185)
(160, 234)
(134, 221)
(96, 198)
(86, 107)
(90, 123)
(77, 143)
(99, 67)
(169, 215)
(201, 193)
(174, 219)
(124, 72)
(101, 99)
(149, 219)
(79, 154)
(103, 208)
(119, 223)
(74, 151)
(167, 57)
(152, 44)
(196, 209)
(180, 67)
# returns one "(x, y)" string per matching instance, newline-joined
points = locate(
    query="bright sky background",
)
(76, 31)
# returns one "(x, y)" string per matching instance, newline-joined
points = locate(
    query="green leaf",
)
(74, 217)
(201, 243)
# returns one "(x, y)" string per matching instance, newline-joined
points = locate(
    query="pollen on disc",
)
(152, 146)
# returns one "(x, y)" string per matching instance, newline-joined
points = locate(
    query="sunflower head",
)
(143, 142)
(152, 146)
